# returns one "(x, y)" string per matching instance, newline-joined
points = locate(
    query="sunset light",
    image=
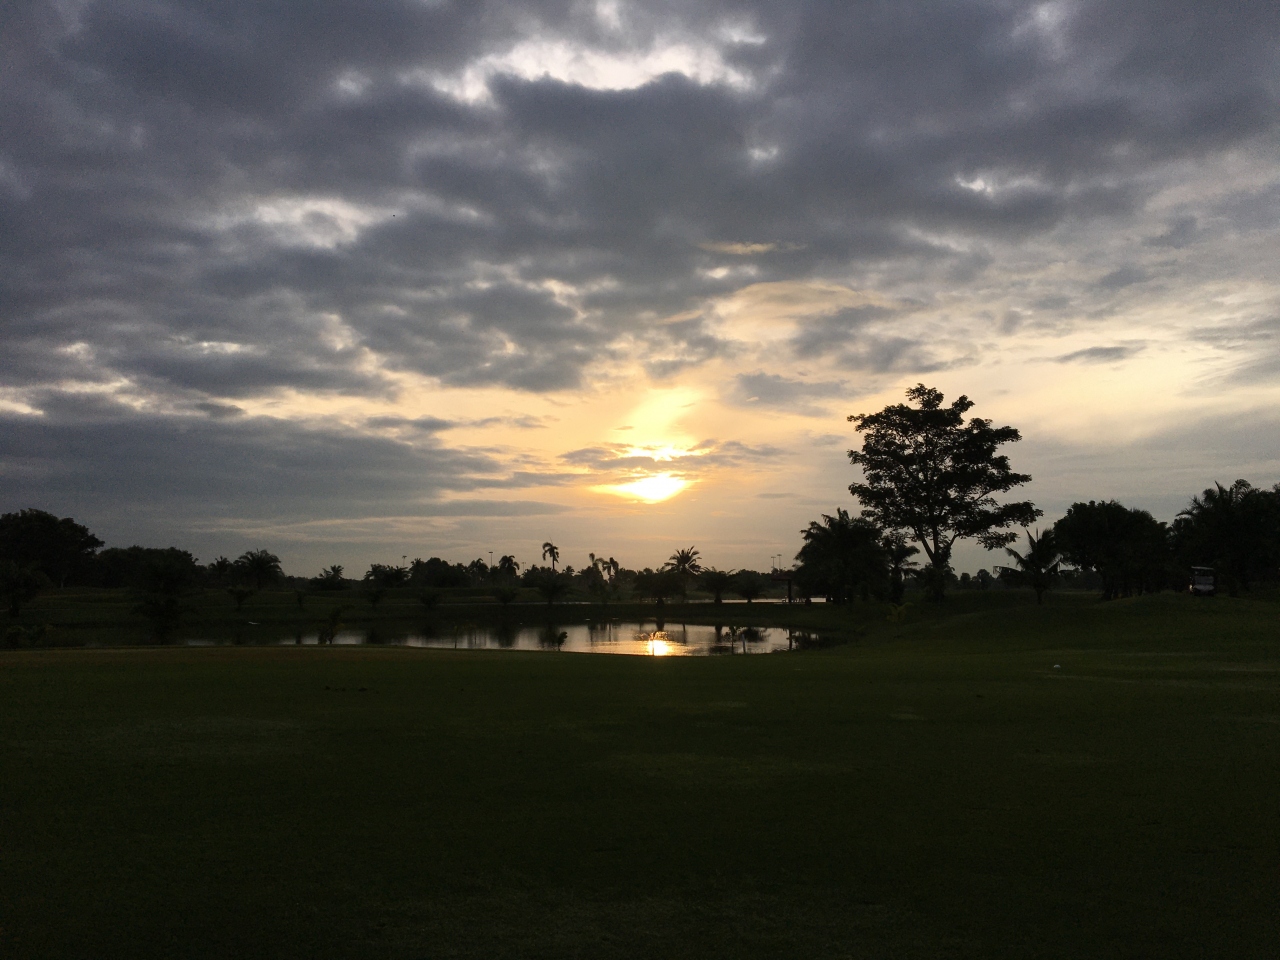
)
(652, 489)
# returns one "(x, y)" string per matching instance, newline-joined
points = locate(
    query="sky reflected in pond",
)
(637, 639)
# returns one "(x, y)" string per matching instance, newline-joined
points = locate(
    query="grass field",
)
(1077, 780)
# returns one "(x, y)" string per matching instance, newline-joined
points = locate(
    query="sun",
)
(651, 489)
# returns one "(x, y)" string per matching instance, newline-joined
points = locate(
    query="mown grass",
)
(1074, 780)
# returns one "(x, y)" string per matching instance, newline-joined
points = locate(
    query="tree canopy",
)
(59, 548)
(928, 472)
(1127, 548)
(841, 556)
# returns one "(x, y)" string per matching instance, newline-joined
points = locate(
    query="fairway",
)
(1074, 780)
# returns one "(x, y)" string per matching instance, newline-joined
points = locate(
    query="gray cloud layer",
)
(212, 202)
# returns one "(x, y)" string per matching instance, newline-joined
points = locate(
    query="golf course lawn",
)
(1075, 780)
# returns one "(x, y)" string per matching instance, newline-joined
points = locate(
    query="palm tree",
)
(1234, 529)
(1039, 565)
(260, 567)
(899, 553)
(685, 562)
(552, 552)
(507, 567)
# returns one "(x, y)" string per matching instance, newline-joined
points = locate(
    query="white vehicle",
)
(1202, 584)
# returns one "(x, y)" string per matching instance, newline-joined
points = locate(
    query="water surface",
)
(642, 639)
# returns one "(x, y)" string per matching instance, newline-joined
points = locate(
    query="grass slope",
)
(938, 789)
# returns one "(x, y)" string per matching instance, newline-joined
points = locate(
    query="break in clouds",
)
(228, 226)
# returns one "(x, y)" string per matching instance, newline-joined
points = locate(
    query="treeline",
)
(40, 551)
(1121, 550)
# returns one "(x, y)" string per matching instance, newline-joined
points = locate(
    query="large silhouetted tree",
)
(59, 548)
(551, 552)
(929, 473)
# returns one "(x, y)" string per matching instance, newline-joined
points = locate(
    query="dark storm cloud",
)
(215, 202)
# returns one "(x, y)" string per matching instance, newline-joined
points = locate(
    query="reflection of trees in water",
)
(805, 640)
(732, 639)
(552, 637)
(505, 635)
(722, 642)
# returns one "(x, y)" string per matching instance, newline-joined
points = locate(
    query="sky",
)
(357, 280)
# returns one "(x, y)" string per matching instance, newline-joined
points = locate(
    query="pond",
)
(638, 639)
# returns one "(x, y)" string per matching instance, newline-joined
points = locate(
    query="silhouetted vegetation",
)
(929, 479)
(928, 473)
(716, 582)
(19, 585)
(60, 549)
(842, 557)
(1038, 566)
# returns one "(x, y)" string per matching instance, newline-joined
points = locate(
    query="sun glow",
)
(659, 647)
(651, 489)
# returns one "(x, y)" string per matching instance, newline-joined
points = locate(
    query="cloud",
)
(208, 216)
(1122, 277)
(771, 390)
(615, 459)
(1100, 354)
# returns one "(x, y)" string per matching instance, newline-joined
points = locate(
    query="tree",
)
(552, 552)
(1128, 548)
(164, 577)
(220, 570)
(438, 573)
(716, 582)
(330, 579)
(1039, 565)
(840, 555)
(899, 554)
(1234, 529)
(478, 571)
(61, 549)
(929, 473)
(685, 565)
(386, 575)
(508, 569)
(550, 584)
(658, 585)
(748, 584)
(20, 585)
(259, 567)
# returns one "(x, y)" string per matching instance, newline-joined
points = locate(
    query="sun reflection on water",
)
(658, 643)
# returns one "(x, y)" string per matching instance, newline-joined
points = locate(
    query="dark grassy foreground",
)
(937, 789)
